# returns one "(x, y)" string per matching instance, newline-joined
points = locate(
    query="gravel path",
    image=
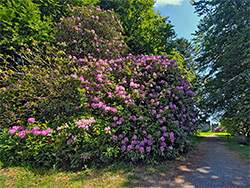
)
(220, 167)
(211, 166)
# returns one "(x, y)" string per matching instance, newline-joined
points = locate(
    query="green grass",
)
(112, 176)
(116, 175)
(223, 135)
(242, 150)
(195, 140)
(204, 133)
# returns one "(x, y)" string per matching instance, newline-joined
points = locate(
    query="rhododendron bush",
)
(90, 30)
(73, 107)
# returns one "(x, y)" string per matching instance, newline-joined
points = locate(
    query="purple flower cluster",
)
(85, 156)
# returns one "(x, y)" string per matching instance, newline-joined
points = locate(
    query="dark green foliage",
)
(187, 49)
(20, 24)
(58, 8)
(224, 39)
(145, 31)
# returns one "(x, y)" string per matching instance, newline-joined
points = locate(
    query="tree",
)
(20, 23)
(187, 49)
(145, 31)
(58, 8)
(26, 21)
(224, 39)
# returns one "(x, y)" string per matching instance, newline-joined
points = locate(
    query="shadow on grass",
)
(117, 174)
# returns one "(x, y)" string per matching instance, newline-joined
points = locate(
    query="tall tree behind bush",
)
(224, 39)
(55, 9)
(145, 32)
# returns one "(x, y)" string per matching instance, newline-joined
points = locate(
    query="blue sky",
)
(181, 14)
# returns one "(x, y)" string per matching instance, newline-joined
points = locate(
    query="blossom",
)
(31, 120)
(162, 148)
(130, 147)
(150, 142)
(11, 131)
(21, 134)
(153, 112)
(123, 148)
(107, 129)
(158, 115)
(114, 137)
(141, 149)
(36, 128)
(171, 134)
(148, 148)
(73, 76)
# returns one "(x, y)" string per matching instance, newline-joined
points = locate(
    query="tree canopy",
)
(223, 37)
(145, 31)
(20, 22)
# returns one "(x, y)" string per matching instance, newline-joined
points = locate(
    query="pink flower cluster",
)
(85, 123)
(22, 132)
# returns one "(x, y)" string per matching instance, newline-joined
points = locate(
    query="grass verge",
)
(195, 140)
(116, 175)
(242, 150)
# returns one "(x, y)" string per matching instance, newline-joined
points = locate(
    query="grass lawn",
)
(113, 176)
(117, 175)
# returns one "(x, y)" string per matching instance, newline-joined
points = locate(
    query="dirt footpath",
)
(212, 165)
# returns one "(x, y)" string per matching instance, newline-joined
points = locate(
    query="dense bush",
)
(71, 108)
(141, 103)
(90, 30)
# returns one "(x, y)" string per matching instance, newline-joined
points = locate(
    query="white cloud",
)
(167, 2)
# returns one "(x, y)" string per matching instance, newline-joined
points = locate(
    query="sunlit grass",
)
(223, 135)
(204, 134)
(117, 175)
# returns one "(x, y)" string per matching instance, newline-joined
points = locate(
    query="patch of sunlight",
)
(215, 177)
(203, 170)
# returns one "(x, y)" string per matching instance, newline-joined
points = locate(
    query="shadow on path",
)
(212, 165)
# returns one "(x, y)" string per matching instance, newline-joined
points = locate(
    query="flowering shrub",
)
(90, 30)
(144, 105)
(67, 106)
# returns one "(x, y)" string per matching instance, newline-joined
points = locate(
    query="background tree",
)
(58, 8)
(145, 31)
(224, 39)
(20, 24)
(187, 49)
(26, 21)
